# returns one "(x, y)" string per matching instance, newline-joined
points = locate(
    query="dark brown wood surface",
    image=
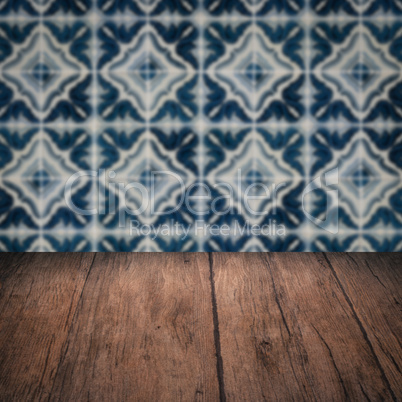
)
(38, 297)
(219, 326)
(143, 329)
(372, 286)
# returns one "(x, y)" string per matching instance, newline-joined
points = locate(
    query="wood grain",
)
(143, 331)
(38, 298)
(372, 285)
(143, 326)
(288, 333)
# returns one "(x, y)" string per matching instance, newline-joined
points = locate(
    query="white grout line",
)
(127, 17)
(41, 139)
(359, 139)
(94, 137)
(308, 126)
(148, 97)
(254, 92)
(200, 127)
(230, 124)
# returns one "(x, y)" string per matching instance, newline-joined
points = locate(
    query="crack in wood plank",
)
(362, 329)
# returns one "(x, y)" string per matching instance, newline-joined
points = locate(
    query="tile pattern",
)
(284, 91)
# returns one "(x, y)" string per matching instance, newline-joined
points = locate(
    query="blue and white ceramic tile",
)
(229, 117)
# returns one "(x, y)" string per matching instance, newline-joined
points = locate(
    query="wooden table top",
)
(199, 326)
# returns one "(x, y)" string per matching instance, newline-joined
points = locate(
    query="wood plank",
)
(143, 331)
(372, 285)
(288, 333)
(38, 297)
